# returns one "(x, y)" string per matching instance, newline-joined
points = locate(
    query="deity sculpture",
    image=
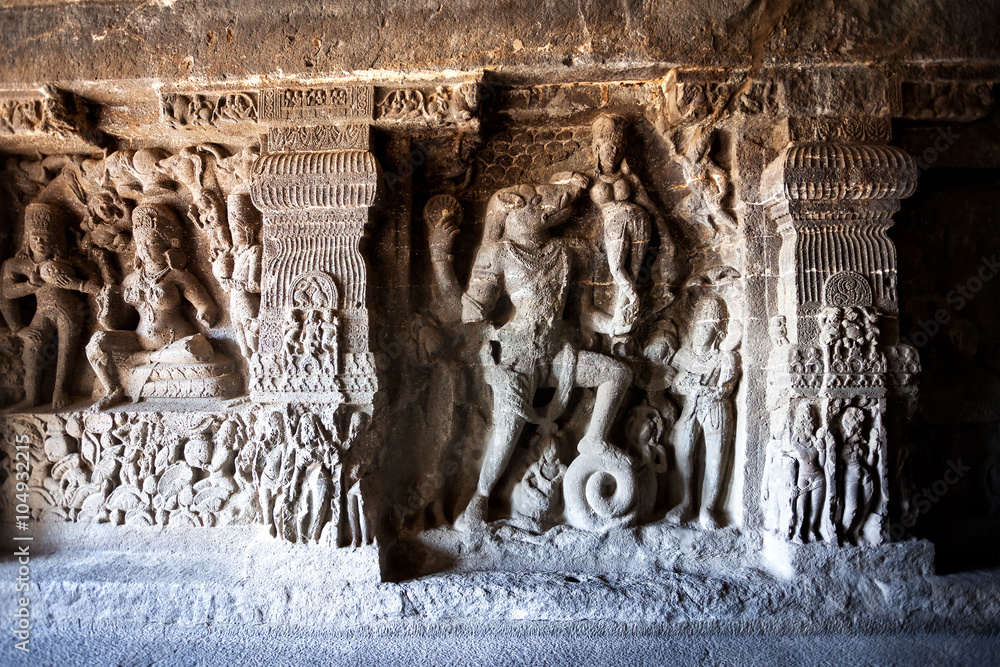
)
(708, 372)
(156, 289)
(44, 269)
(534, 348)
(626, 212)
(810, 446)
(107, 230)
(796, 485)
(708, 183)
(305, 483)
(263, 459)
(537, 499)
(848, 334)
(238, 271)
(859, 456)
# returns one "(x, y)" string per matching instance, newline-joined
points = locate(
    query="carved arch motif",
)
(314, 290)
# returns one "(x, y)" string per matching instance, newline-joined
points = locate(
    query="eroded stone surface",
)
(604, 313)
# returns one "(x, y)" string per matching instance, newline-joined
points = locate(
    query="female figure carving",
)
(627, 212)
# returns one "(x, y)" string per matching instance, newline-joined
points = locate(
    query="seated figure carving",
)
(535, 348)
(166, 355)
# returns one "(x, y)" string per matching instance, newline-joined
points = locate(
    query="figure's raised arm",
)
(442, 215)
(484, 286)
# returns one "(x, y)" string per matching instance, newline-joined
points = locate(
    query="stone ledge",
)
(786, 560)
(649, 550)
(233, 576)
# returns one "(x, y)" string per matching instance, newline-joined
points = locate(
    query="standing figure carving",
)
(519, 257)
(626, 213)
(859, 456)
(156, 289)
(107, 231)
(301, 509)
(796, 483)
(264, 458)
(708, 372)
(44, 269)
(238, 271)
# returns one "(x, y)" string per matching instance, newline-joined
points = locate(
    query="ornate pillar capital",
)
(315, 186)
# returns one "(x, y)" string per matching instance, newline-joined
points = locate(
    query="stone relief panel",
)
(150, 263)
(296, 471)
(117, 232)
(198, 109)
(580, 331)
(566, 337)
(442, 105)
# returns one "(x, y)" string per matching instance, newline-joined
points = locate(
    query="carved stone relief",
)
(827, 470)
(571, 348)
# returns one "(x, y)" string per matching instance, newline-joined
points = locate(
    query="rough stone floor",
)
(533, 644)
(106, 595)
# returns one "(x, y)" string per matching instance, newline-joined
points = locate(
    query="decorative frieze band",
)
(42, 120)
(319, 138)
(306, 109)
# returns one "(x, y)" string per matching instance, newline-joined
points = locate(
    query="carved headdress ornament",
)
(710, 309)
(159, 219)
(44, 218)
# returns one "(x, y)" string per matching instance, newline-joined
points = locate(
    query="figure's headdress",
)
(160, 219)
(610, 128)
(710, 309)
(46, 218)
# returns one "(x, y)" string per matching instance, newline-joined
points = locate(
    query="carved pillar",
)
(832, 203)
(315, 185)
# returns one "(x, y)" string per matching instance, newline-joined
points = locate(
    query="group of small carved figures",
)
(821, 486)
(556, 338)
(127, 206)
(282, 467)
